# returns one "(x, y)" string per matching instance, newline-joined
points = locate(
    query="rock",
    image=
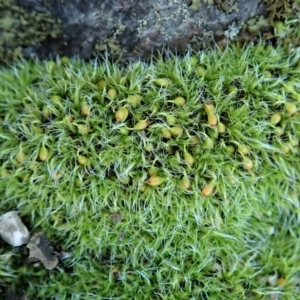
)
(129, 28)
(40, 248)
(12, 230)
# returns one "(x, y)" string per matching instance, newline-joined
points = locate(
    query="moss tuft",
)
(202, 212)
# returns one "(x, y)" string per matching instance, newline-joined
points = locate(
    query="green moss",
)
(173, 240)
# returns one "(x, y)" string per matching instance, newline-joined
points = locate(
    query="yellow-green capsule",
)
(85, 109)
(179, 101)
(166, 133)
(232, 90)
(194, 140)
(56, 98)
(112, 94)
(189, 159)
(171, 119)
(285, 148)
(278, 131)
(102, 84)
(43, 154)
(212, 119)
(176, 130)
(290, 107)
(162, 82)
(83, 129)
(200, 71)
(21, 156)
(155, 181)
(46, 111)
(294, 142)
(143, 188)
(4, 173)
(230, 149)
(275, 119)
(68, 119)
(122, 114)
(243, 149)
(207, 189)
(247, 163)
(83, 160)
(133, 100)
(221, 127)
(152, 171)
(124, 130)
(141, 125)
(65, 60)
(208, 143)
(185, 183)
(209, 108)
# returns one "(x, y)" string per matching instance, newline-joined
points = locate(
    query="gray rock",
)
(41, 249)
(12, 230)
(126, 28)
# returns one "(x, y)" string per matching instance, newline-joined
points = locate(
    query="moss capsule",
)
(230, 149)
(134, 100)
(112, 94)
(166, 133)
(185, 183)
(243, 149)
(189, 159)
(294, 142)
(285, 148)
(21, 156)
(56, 98)
(141, 125)
(207, 190)
(212, 119)
(152, 171)
(122, 114)
(232, 90)
(46, 112)
(278, 131)
(290, 107)
(194, 140)
(209, 108)
(200, 71)
(83, 129)
(162, 82)
(102, 84)
(4, 173)
(44, 154)
(124, 130)
(83, 160)
(143, 188)
(85, 109)
(68, 119)
(275, 119)
(208, 143)
(176, 130)
(221, 127)
(179, 101)
(155, 181)
(171, 119)
(247, 163)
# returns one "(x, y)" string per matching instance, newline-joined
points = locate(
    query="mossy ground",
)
(223, 220)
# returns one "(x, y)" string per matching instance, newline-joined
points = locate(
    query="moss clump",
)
(173, 209)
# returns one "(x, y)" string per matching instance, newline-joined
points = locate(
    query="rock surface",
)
(137, 28)
(41, 249)
(12, 230)
(130, 28)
